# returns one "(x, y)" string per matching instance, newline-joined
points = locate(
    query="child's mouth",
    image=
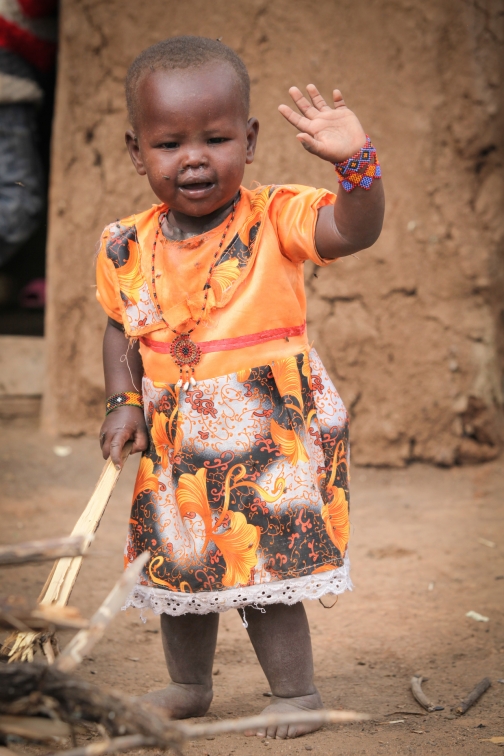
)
(199, 189)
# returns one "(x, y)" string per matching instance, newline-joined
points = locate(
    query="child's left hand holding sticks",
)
(335, 134)
(123, 375)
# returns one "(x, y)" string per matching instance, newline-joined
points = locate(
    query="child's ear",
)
(252, 133)
(134, 151)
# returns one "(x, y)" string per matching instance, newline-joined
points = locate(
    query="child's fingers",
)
(308, 142)
(117, 444)
(317, 98)
(302, 103)
(338, 99)
(140, 442)
(298, 121)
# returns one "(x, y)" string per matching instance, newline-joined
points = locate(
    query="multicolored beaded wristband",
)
(125, 399)
(359, 170)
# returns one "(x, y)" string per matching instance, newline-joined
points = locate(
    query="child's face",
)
(191, 128)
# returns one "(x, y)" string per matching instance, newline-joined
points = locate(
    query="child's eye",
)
(169, 145)
(217, 140)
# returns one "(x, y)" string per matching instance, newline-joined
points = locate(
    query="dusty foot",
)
(179, 701)
(289, 705)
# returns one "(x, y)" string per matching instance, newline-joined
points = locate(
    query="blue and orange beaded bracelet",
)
(359, 170)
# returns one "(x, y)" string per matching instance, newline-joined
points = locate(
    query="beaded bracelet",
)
(125, 399)
(359, 170)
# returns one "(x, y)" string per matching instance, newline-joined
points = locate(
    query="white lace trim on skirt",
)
(312, 586)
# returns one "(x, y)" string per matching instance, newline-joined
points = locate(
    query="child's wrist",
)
(359, 170)
(123, 399)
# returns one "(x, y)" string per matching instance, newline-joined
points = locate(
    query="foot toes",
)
(282, 732)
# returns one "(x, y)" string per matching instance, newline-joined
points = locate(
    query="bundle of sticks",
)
(22, 644)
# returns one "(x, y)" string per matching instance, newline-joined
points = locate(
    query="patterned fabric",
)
(245, 484)
(359, 170)
(258, 284)
(242, 496)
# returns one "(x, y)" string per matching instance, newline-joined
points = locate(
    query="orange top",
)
(256, 285)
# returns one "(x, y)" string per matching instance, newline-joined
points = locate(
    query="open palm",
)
(333, 134)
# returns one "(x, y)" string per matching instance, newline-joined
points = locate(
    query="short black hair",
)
(183, 52)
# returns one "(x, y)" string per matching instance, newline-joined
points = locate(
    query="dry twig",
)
(419, 695)
(34, 728)
(18, 612)
(34, 689)
(115, 745)
(82, 643)
(58, 587)
(473, 696)
(44, 551)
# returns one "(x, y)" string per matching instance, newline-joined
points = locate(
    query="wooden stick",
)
(263, 721)
(115, 745)
(76, 701)
(473, 696)
(82, 643)
(190, 732)
(43, 551)
(34, 728)
(61, 580)
(419, 695)
(16, 611)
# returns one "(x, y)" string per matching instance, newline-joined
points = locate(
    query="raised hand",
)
(333, 134)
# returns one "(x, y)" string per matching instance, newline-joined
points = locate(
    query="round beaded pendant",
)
(185, 351)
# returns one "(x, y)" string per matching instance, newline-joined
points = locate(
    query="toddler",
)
(242, 495)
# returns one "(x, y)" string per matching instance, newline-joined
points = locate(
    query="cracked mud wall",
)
(411, 330)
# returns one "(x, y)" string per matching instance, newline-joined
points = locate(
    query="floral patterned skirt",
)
(242, 497)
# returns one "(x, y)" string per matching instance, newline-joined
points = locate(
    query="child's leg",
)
(189, 646)
(281, 640)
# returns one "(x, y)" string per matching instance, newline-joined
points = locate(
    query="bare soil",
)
(422, 557)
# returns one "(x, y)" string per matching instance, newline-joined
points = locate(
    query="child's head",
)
(188, 101)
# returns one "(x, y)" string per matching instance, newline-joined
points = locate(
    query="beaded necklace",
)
(183, 350)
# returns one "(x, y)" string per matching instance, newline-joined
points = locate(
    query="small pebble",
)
(308, 748)
(62, 451)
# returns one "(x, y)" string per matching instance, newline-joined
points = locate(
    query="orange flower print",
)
(238, 544)
(223, 276)
(160, 437)
(243, 375)
(325, 568)
(130, 275)
(146, 479)
(335, 516)
(162, 434)
(289, 443)
(286, 374)
(191, 495)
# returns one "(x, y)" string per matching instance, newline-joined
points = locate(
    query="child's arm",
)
(121, 374)
(335, 134)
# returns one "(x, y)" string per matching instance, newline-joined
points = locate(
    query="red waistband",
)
(224, 345)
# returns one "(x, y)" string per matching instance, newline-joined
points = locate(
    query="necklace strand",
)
(184, 351)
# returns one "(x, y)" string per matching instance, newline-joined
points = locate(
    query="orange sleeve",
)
(294, 211)
(105, 284)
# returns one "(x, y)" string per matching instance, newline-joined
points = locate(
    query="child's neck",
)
(178, 226)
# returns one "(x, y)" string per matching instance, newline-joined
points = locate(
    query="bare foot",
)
(179, 701)
(279, 705)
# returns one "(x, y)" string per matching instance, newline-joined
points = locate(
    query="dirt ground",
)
(422, 557)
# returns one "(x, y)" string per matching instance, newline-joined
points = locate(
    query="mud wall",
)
(409, 329)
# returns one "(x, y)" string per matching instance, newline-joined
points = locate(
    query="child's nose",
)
(194, 157)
